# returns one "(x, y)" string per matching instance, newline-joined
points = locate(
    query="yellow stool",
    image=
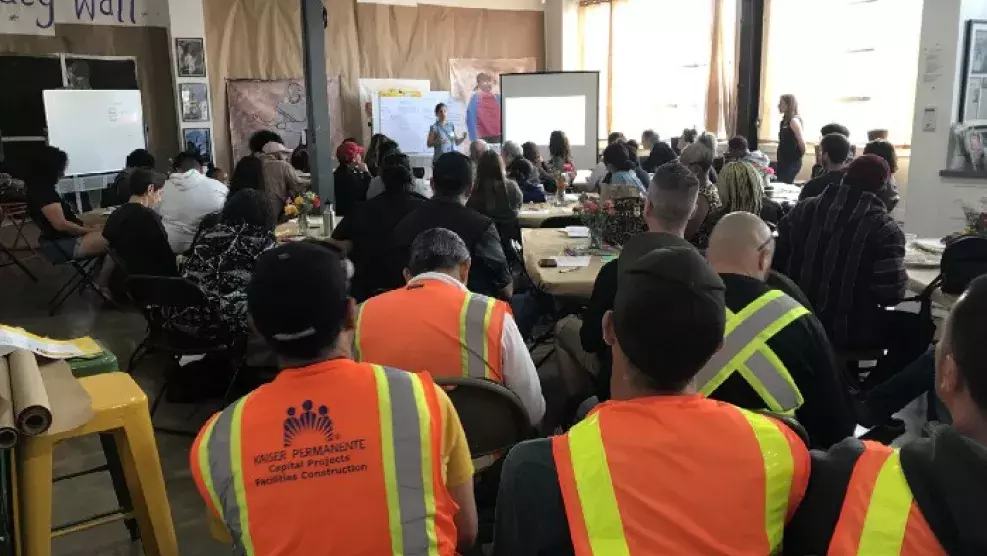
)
(119, 408)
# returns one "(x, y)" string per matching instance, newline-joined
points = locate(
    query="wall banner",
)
(39, 17)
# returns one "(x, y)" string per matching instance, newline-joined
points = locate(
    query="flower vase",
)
(596, 238)
(303, 228)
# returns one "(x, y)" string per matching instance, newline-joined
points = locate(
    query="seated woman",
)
(698, 157)
(494, 195)
(525, 175)
(623, 181)
(533, 155)
(135, 232)
(741, 188)
(222, 261)
(63, 235)
(561, 162)
(365, 233)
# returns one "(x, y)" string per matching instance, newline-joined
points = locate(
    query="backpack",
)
(963, 260)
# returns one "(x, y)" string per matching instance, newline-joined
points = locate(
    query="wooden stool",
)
(119, 408)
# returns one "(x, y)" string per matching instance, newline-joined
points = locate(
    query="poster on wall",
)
(476, 83)
(195, 102)
(974, 75)
(190, 57)
(38, 17)
(278, 105)
(197, 139)
(367, 89)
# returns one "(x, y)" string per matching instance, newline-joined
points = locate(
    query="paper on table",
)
(577, 231)
(580, 262)
(534, 212)
(17, 338)
(571, 197)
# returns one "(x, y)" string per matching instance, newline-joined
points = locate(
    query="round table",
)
(545, 243)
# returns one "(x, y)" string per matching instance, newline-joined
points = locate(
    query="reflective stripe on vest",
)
(407, 451)
(745, 350)
(878, 512)
(474, 319)
(597, 500)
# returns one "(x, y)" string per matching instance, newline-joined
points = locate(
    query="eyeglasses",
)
(767, 242)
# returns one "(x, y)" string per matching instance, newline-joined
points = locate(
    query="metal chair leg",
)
(115, 468)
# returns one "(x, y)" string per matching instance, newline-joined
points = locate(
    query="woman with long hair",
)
(791, 144)
(561, 156)
(373, 156)
(622, 180)
(495, 195)
(698, 157)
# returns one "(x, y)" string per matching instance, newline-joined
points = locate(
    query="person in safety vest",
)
(775, 354)
(435, 324)
(930, 497)
(658, 469)
(333, 456)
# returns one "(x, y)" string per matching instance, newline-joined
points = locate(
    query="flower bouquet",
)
(304, 205)
(595, 215)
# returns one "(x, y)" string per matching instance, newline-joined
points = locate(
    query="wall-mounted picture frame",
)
(195, 102)
(973, 105)
(198, 139)
(190, 57)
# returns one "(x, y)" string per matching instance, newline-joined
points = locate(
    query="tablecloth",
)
(546, 243)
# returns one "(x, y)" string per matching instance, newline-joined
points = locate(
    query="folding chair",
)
(16, 214)
(169, 304)
(82, 280)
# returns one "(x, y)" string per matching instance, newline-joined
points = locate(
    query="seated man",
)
(63, 235)
(834, 155)
(791, 368)
(847, 254)
(660, 469)
(134, 231)
(452, 175)
(187, 197)
(926, 498)
(435, 324)
(383, 447)
(669, 205)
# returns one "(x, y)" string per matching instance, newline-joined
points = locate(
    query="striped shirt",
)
(848, 255)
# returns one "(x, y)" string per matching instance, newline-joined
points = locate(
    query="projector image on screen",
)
(536, 104)
(535, 118)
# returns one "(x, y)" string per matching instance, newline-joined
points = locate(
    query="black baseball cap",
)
(669, 312)
(297, 298)
(452, 173)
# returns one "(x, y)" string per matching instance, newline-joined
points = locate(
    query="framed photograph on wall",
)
(195, 102)
(972, 104)
(197, 139)
(190, 56)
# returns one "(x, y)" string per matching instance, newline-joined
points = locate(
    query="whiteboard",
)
(407, 120)
(97, 129)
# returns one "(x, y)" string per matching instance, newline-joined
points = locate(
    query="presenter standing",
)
(442, 135)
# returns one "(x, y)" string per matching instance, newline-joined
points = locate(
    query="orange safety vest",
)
(336, 458)
(879, 516)
(430, 325)
(684, 475)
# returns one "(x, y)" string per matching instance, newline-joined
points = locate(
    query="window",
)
(854, 62)
(654, 62)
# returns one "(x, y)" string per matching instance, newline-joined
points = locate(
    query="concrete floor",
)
(24, 303)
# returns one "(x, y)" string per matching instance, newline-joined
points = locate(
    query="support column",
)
(317, 98)
(751, 41)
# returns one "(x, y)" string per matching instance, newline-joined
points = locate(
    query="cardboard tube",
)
(8, 433)
(32, 410)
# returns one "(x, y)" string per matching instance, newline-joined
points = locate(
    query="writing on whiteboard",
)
(38, 17)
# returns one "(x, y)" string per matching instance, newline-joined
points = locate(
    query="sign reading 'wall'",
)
(39, 17)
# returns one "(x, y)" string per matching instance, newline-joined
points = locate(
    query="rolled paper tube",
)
(8, 432)
(32, 410)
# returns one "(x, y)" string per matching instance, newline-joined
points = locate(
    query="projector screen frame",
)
(595, 141)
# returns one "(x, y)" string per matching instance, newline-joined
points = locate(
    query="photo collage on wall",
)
(190, 61)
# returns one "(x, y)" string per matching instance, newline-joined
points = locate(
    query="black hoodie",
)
(947, 474)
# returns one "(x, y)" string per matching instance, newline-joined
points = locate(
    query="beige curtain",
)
(721, 94)
(595, 53)
(261, 39)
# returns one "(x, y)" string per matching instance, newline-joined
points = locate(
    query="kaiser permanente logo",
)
(312, 449)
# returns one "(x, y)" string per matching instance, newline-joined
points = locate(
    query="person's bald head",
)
(741, 243)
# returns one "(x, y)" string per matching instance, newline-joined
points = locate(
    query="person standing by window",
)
(791, 145)
(442, 135)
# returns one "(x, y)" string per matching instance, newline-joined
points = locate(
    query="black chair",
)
(83, 279)
(170, 305)
(561, 221)
(494, 421)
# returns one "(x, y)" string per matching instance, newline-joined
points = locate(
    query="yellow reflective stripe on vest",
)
(887, 513)
(221, 461)
(745, 350)
(357, 351)
(595, 487)
(406, 447)
(474, 319)
(779, 471)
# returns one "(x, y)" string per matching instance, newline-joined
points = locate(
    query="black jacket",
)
(661, 153)
(827, 413)
(350, 186)
(947, 474)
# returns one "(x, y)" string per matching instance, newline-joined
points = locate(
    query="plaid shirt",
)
(848, 255)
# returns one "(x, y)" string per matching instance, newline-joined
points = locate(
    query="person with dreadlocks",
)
(741, 189)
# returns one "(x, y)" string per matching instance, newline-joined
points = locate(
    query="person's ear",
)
(609, 333)
(407, 275)
(149, 190)
(764, 260)
(351, 311)
(464, 270)
(947, 378)
(648, 208)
